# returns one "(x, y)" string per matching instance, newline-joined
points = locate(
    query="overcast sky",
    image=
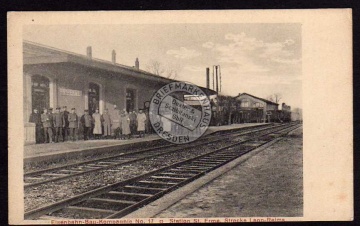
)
(260, 59)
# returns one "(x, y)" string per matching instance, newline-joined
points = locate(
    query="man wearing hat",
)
(35, 117)
(52, 121)
(47, 121)
(125, 125)
(107, 124)
(65, 132)
(73, 124)
(86, 121)
(133, 121)
(58, 119)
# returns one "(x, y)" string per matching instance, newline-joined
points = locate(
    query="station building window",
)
(94, 97)
(40, 92)
(130, 100)
(245, 103)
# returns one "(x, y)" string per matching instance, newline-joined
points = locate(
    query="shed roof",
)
(266, 101)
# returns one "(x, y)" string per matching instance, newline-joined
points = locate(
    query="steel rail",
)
(37, 172)
(35, 213)
(62, 177)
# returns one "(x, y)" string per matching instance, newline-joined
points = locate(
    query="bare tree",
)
(171, 73)
(270, 98)
(276, 97)
(157, 68)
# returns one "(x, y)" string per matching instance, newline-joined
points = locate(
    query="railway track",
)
(118, 199)
(40, 177)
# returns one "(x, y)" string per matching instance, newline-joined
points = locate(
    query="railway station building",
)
(55, 78)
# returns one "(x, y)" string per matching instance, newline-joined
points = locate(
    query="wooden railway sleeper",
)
(168, 178)
(145, 188)
(178, 174)
(193, 167)
(89, 209)
(114, 201)
(154, 183)
(129, 193)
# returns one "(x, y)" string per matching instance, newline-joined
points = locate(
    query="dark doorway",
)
(130, 100)
(94, 97)
(40, 92)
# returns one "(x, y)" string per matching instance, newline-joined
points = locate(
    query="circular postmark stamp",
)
(180, 112)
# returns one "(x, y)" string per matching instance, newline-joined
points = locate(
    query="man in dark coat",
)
(86, 121)
(107, 124)
(65, 123)
(133, 122)
(50, 112)
(58, 119)
(73, 124)
(47, 122)
(35, 117)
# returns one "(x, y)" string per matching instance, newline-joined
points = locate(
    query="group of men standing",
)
(63, 126)
(54, 127)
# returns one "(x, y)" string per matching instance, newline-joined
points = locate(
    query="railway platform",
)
(47, 152)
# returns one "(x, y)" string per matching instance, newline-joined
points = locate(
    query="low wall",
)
(29, 133)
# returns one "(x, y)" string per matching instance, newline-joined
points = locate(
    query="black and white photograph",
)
(152, 120)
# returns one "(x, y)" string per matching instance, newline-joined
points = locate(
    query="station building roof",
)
(34, 53)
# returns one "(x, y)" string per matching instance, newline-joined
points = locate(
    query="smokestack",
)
(213, 79)
(89, 52)
(220, 77)
(208, 78)
(217, 80)
(113, 57)
(137, 64)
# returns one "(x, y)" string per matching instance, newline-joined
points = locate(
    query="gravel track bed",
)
(29, 167)
(56, 191)
(62, 162)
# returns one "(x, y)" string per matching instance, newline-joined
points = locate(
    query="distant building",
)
(296, 115)
(254, 109)
(285, 107)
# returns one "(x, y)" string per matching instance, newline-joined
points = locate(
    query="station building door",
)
(130, 100)
(40, 95)
(94, 97)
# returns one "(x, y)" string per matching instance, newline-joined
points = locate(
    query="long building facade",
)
(55, 78)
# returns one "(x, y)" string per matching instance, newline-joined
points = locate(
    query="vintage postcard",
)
(180, 117)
